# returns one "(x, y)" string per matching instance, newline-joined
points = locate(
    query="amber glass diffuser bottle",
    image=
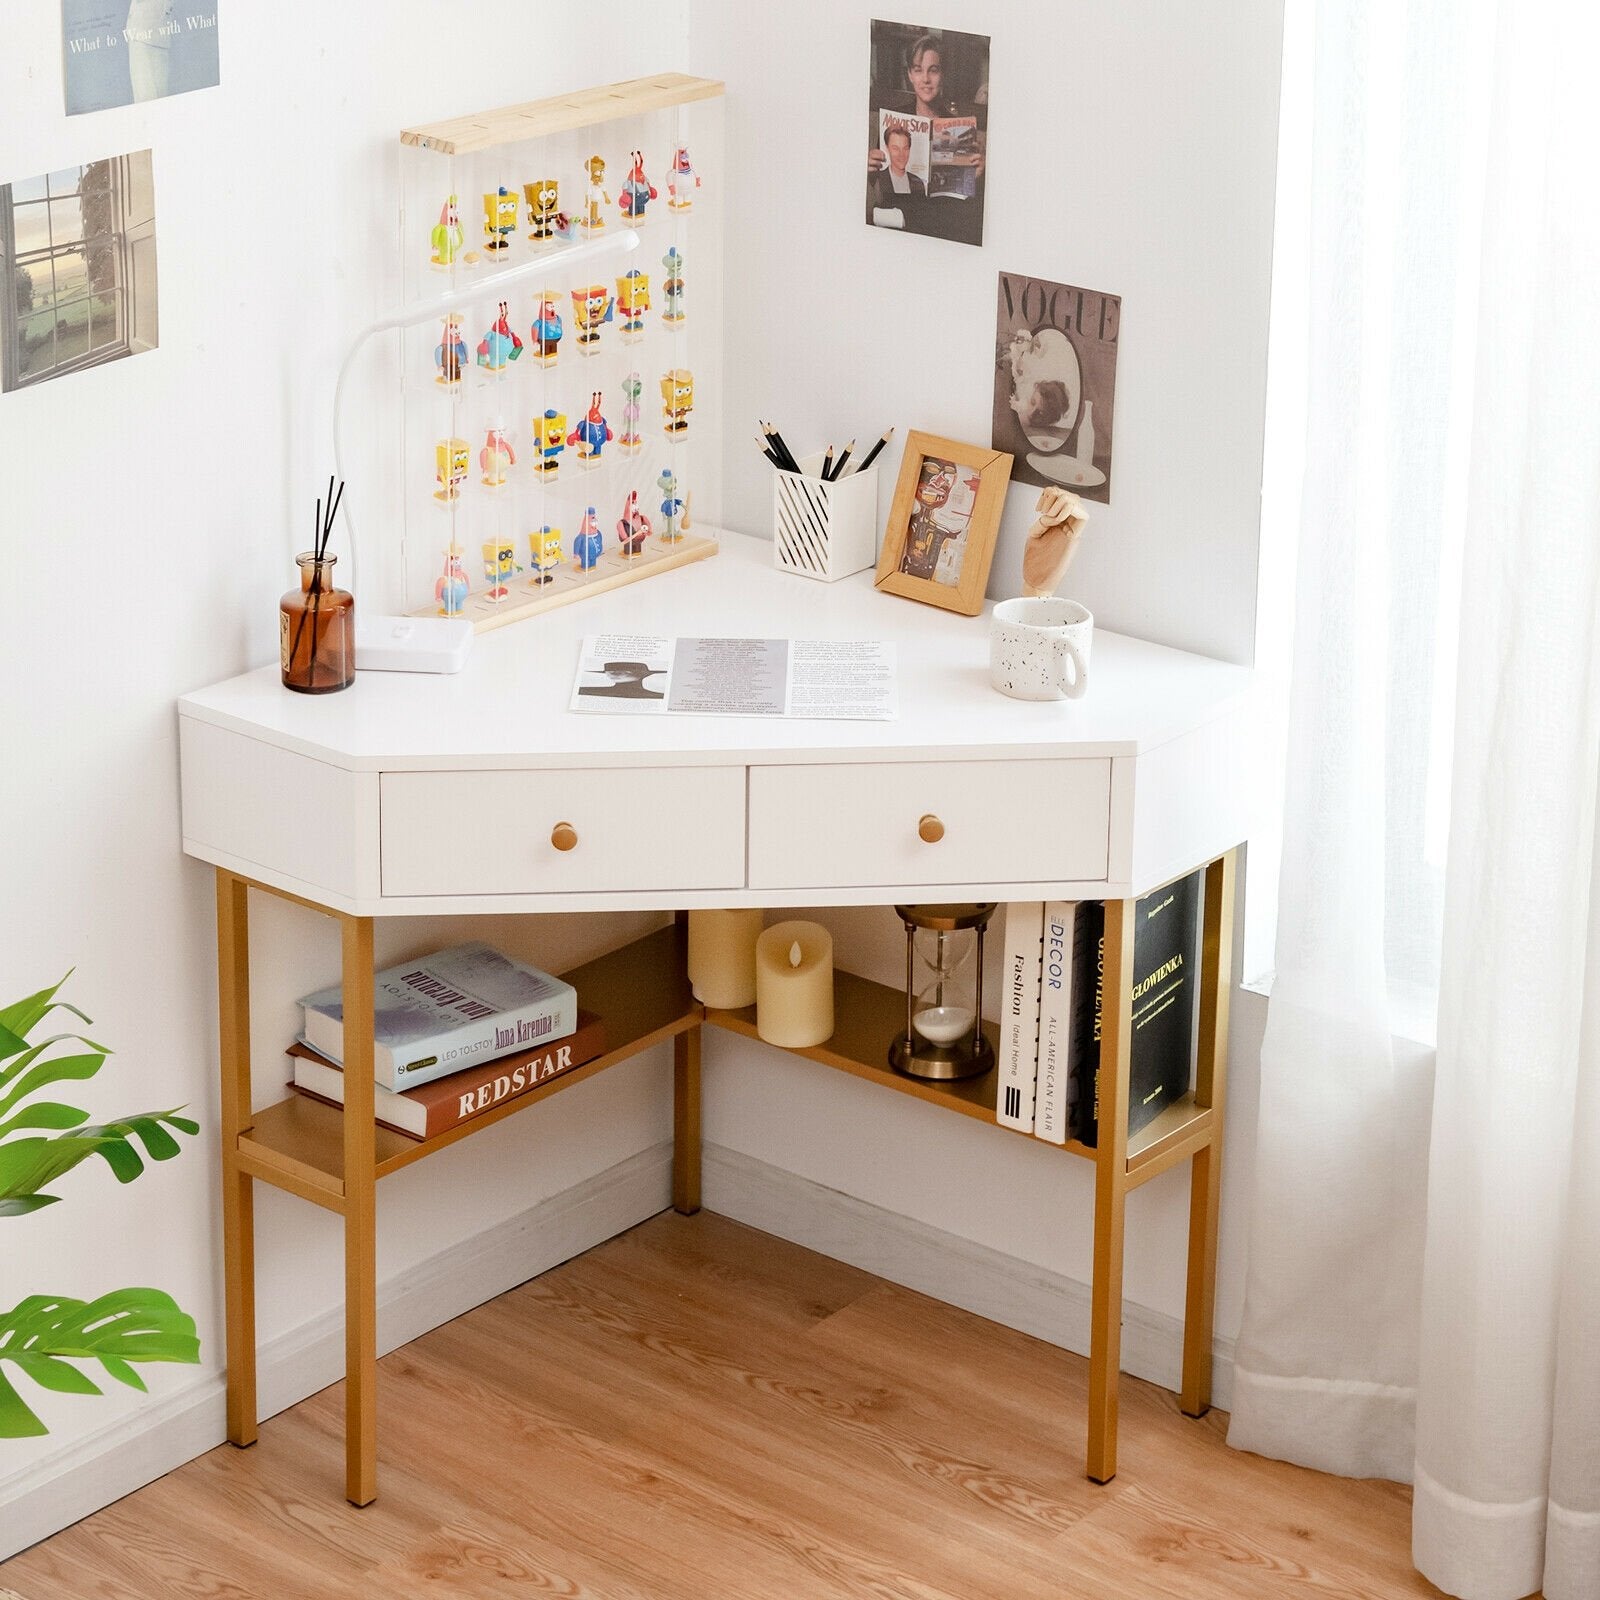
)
(317, 630)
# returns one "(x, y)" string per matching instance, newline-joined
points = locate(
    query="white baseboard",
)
(147, 1443)
(1032, 1299)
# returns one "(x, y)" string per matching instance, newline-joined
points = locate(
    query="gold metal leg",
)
(686, 1121)
(1205, 1177)
(1110, 1191)
(360, 1219)
(238, 1193)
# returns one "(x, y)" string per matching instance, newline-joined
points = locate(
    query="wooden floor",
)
(696, 1411)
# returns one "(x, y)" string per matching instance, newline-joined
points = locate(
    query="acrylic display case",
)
(562, 430)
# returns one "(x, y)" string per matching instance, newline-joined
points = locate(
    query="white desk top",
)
(507, 707)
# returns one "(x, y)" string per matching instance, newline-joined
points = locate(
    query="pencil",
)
(872, 454)
(767, 451)
(827, 465)
(839, 465)
(778, 444)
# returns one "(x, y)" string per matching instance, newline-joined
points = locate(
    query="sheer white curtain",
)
(1422, 1299)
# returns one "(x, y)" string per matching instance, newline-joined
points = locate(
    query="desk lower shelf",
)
(641, 992)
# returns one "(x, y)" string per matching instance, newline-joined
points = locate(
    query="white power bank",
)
(412, 644)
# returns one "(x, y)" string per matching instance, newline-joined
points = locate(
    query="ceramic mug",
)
(1039, 649)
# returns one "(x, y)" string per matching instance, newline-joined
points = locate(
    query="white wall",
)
(150, 515)
(1131, 150)
(1131, 147)
(153, 507)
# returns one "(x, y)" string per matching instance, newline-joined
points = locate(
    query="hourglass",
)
(943, 1036)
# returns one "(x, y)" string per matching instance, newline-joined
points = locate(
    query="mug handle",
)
(1076, 680)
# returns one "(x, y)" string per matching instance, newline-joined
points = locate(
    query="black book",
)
(1166, 950)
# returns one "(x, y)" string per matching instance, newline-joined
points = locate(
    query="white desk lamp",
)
(435, 644)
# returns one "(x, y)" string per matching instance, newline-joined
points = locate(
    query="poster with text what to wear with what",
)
(1055, 383)
(115, 52)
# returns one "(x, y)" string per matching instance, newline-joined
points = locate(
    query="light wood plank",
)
(697, 1409)
(537, 119)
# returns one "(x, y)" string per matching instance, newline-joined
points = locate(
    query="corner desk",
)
(339, 803)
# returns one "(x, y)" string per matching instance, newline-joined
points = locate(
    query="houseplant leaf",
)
(43, 1334)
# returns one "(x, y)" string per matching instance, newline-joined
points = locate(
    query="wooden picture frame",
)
(924, 557)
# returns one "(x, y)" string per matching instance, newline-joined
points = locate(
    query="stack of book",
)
(454, 1035)
(1053, 994)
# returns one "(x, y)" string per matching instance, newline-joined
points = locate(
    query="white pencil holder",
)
(824, 530)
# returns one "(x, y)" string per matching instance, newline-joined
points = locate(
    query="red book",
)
(422, 1112)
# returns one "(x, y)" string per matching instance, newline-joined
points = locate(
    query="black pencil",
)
(767, 452)
(872, 454)
(839, 465)
(782, 448)
(827, 465)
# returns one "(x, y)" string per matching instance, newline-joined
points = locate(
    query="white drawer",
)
(461, 833)
(999, 821)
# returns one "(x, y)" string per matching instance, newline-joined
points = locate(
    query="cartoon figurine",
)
(450, 354)
(546, 330)
(549, 439)
(590, 542)
(544, 550)
(451, 589)
(637, 190)
(496, 456)
(499, 219)
(677, 401)
(499, 345)
(633, 300)
(682, 181)
(446, 237)
(633, 527)
(671, 506)
(499, 563)
(672, 312)
(591, 310)
(591, 435)
(628, 441)
(452, 462)
(545, 218)
(595, 198)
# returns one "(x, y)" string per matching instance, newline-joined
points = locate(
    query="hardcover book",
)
(435, 1015)
(1019, 1017)
(1056, 990)
(421, 1113)
(1166, 943)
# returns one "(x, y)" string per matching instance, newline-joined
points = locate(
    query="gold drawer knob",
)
(564, 836)
(930, 829)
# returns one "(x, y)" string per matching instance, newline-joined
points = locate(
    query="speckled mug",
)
(1039, 649)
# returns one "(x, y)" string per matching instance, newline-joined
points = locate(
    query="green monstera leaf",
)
(43, 1336)
(41, 1140)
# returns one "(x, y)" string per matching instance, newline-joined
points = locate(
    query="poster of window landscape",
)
(82, 269)
(119, 51)
(1055, 381)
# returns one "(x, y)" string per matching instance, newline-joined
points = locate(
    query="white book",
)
(1019, 1014)
(457, 1008)
(1055, 1021)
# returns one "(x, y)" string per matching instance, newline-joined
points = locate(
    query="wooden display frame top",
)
(485, 130)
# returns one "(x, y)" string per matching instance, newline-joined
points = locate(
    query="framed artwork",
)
(943, 523)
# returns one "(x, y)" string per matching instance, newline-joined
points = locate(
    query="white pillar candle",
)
(794, 984)
(722, 957)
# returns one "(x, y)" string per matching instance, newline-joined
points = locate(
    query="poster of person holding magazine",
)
(927, 130)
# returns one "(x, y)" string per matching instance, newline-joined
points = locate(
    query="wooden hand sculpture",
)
(1052, 540)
